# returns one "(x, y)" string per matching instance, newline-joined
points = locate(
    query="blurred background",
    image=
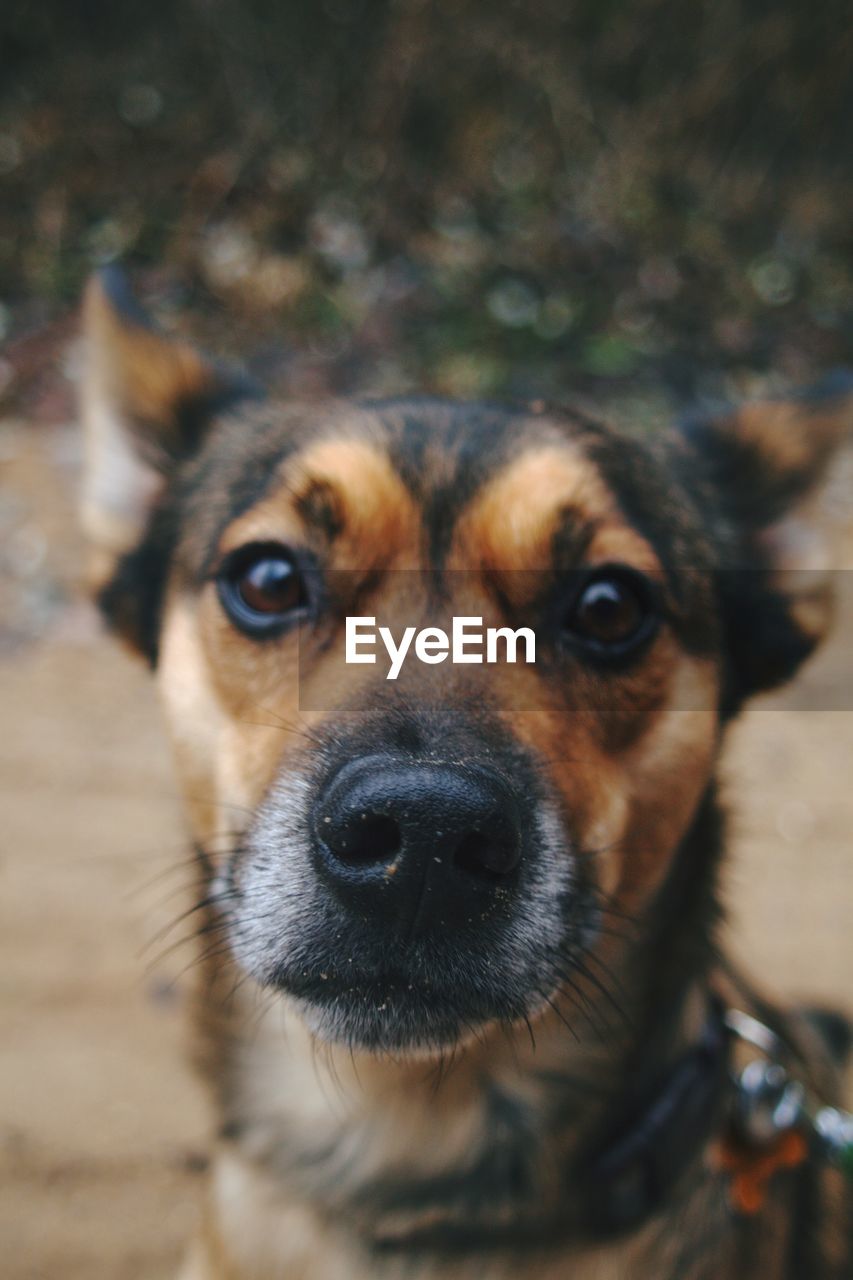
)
(640, 202)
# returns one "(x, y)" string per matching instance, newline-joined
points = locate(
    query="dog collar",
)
(748, 1126)
(643, 1154)
(770, 1124)
(614, 1187)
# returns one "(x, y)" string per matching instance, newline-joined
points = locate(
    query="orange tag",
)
(751, 1168)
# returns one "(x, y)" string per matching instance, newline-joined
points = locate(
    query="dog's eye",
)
(613, 613)
(261, 587)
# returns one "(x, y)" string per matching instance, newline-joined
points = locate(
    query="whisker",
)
(212, 953)
(210, 900)
(549, 1000)
(604, 989)
(213, 927)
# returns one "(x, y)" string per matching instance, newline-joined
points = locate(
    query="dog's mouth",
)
(391, 1013)
(352, 988)
(424, 1007)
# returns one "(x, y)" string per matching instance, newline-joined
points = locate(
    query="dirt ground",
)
(101, 1126)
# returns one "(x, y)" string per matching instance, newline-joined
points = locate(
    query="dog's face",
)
(413, 860)
(429, 854)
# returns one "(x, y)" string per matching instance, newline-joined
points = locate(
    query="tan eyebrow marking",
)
(348, 492)
(511, 524)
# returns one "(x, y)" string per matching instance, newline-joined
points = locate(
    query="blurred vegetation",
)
(462, 195)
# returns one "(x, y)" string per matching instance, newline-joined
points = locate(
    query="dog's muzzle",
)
(408, 887)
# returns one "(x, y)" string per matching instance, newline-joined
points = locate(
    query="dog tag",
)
(768, 1102)
(835, 1130)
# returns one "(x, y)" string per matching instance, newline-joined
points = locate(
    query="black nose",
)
(417, 834)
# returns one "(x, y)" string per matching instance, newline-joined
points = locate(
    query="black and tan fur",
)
(371, 1127)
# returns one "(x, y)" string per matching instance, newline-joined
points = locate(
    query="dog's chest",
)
(263, 1234)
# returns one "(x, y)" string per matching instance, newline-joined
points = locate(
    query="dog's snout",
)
(425, 828)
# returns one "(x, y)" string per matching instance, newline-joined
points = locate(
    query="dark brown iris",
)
(262, 588)
(271, 585)
(613, 613)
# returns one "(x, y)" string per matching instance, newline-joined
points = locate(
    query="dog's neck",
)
(395, 1146)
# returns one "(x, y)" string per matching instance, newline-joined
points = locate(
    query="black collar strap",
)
(632, 1170)
(617, 1186)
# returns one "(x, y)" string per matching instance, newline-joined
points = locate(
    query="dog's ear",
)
(145, 401)
(765, 465)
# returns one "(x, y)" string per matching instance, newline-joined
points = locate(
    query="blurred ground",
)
(640, 201)
(99, 1127)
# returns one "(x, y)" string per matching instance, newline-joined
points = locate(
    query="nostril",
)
(486, 856)
(448, 832)
(364, 838)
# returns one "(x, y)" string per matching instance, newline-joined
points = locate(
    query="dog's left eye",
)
(613, 613)
(261, 587)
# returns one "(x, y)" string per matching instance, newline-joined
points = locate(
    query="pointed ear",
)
(766, 465)
(145, 400)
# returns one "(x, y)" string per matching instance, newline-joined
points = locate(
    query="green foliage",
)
(510, 199)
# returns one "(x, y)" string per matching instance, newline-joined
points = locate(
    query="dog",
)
(460, 1002)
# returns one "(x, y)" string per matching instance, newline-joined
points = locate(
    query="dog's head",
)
(417, 858)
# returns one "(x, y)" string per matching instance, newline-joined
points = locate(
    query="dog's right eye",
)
(262, 588)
